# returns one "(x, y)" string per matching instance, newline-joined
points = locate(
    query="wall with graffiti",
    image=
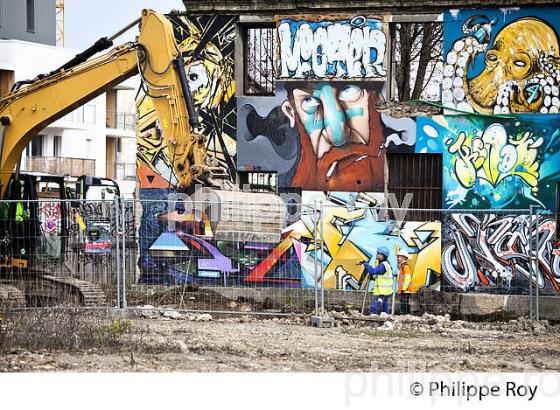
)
(502, 61)
(321, 135)
(495, 163)
(490, 253)
(334, 47)
(207, 45)
(180, 248)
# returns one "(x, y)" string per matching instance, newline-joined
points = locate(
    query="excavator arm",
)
(155, 56)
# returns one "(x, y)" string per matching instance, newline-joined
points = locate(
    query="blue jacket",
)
(378, 270)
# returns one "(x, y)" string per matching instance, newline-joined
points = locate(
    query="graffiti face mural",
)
(321, 135)
(499, 164)
(331, 48)
(331, 114)
(492, 253)
(207, 46)
(502, 61)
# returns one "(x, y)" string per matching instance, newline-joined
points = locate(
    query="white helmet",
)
(404, 253)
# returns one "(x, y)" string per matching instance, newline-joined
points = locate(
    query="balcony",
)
(60, 166)
(118, 120)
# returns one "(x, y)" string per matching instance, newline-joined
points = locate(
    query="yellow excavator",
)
(33, 104)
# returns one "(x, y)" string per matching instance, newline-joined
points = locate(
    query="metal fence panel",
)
(464, 263)
(59, 252)
(166, 254)
(183, 264)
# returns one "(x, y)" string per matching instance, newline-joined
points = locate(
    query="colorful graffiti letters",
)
(491, 252)
(501, 163)
(344, 48)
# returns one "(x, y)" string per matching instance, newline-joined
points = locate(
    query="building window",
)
(258, 181)
(57, 145)
(35, 147)
(420, 175)
(260, 43)
(417, 65)
(30, 13)
(89, 114)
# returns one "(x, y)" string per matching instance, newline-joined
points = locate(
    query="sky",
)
(85, 21)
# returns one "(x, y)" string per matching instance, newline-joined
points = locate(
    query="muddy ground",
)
(193, 342)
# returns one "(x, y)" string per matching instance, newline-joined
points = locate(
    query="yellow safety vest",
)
(384, 283)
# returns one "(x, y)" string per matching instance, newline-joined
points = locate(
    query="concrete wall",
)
(13, 21)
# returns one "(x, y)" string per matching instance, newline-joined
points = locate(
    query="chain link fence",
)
(319, 260)
(470, 264)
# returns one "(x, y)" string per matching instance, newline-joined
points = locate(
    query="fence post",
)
(318, 318)
(322, 263)
(397, 272)
(123, 231)
(537, 274)
(531, 273)
(315, 258)
(118, 252)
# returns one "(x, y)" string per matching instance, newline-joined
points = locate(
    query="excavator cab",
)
(19, 225)
(33, 219)
(35, 214)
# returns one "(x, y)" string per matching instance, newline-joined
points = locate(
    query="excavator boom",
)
(155, 56)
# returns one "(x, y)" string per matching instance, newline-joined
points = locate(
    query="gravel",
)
(171, 340)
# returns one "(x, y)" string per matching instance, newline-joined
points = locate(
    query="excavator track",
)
(46, 290)
(11, 297)
(91, 295)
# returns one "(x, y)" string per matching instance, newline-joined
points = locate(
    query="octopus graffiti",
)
(501, 61)
(492, 253)
(336, 47)
(207, 45)
(499, 163)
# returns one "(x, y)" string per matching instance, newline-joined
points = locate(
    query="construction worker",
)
(383, 281)
(404, 281)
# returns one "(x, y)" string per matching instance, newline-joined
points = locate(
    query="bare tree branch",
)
(418, 51)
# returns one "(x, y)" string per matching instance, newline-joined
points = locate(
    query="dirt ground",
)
(191, 342)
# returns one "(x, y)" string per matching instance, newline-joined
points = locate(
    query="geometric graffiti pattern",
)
(180, 248)
(353, 235)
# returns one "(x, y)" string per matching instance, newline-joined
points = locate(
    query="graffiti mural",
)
(338, 47)
(321, 135)
(207, 45)
(51, 221)
(492, 253)
(179, 248)
(429, 132)
(352, 234)
(502, 61)
(500, 163)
